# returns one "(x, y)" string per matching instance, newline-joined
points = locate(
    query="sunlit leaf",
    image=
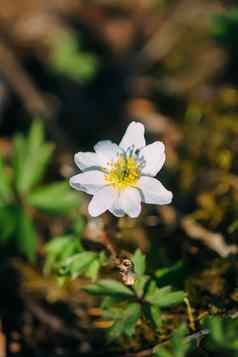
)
(76, 264)
(109, 287)
(139, 284)
(59, 249)
(66, 58)
(124, 320)
(163, 297)
(31, 156)
(54, 198)
(139, 262)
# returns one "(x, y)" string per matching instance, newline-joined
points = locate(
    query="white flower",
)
(120, 177)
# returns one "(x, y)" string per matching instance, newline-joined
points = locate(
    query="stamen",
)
(125, 171)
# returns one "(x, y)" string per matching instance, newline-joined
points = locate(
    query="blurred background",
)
(73, 72)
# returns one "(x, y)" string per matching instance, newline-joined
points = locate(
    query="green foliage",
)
(139, 266)
(178, 346)
(59, 249)
(31, 156)
(175, 273)
(67, 258)
(67, 58)
(5, 185)
(109, 287)
(163, 297)
(125, 319)
(26, 235)
(54, 198)
(139, 262)
(124, 306)
(20, 195)
(226, 26)
(222, 334)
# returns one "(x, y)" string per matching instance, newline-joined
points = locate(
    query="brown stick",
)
(20, 82)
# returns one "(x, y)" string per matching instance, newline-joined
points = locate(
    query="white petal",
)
(106, 151)
(115, 209)
(153, 191)
(134, 135)
(85, 160)
(89, 181)
(129, 201)
(102, 201)
(154, 157)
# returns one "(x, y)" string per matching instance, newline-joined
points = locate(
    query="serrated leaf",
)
(58, 249)
(139, 262)
(125, 321)
(163, 297)
(109, 287)
(75, 265)
(26, 236)
(54, 198)
(154, 294)
(64, 246)
(93, 269)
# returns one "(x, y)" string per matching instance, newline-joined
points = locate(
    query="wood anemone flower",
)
(120, 177)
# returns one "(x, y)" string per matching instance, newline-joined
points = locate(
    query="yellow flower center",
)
(123, 173)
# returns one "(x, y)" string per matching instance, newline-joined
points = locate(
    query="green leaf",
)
(5, 185)
(233, 227)
(173, 274)
(109, 287)
(19, 156)
(94, 267)
(58, 249)
(109, 301)
(54, 198)
(64, 246)
(67, 59)
(75, 265)
(26, 236)
(223, 333)
(7, 222)
(156, 316)
(139, 262)
(178, 346)
(139, 285)
(173, 298)
(163, 297)
(154, 294)
(31, 156)
(124, 320)
(78, 225)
